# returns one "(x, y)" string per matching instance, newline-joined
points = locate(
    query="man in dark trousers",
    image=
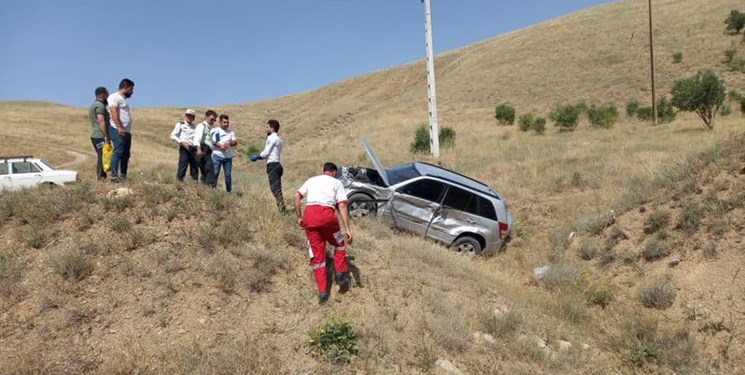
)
(99, 119)
(183, 135)
(271, 153)
(203, 143)
(323, 194)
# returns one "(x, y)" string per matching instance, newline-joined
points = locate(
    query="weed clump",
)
(604, 116)
(659, 295)
(655, 250)
(334, 342)
(656, 221)
(73, 266)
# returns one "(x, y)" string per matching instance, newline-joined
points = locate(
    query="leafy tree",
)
(735, 22)
(702, 94)
(505, 114)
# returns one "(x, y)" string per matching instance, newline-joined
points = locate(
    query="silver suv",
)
(432, 201)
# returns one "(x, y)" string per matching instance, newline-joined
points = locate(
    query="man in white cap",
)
(183, 135)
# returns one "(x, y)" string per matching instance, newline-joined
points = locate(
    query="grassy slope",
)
(167, 305)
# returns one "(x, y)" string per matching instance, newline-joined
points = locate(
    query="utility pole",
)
(651, 61)
(434, 131)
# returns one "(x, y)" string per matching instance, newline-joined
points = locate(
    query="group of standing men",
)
(205, 149)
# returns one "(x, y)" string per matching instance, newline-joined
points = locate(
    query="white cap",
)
(191, 112)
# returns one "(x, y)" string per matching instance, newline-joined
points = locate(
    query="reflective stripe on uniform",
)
(341, 248)
(319, 265)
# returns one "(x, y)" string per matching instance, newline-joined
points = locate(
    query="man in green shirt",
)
(99, 119)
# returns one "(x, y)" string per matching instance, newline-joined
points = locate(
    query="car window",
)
(25, 167)
(463, 200)
(457, 198)
(426, 189)
(3, 168)
(401, 173)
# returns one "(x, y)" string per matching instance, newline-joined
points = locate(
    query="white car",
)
(18, 172)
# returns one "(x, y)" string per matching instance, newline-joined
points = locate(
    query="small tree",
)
(735, 22)
(505, 114)
(702, 93)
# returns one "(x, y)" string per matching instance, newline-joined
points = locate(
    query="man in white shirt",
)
(223, 139)
(183, 135)
(272, 152)
(323, 194)
(203, 143)
(120, 132)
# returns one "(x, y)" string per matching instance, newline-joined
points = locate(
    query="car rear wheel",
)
(361, 205)
(466, 245)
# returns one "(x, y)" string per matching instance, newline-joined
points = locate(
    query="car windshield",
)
(401, 173)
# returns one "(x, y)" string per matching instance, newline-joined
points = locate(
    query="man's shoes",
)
(323, 298)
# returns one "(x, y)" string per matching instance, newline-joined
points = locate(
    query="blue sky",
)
(198, 53)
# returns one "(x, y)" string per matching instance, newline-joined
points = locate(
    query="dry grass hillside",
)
(179, 279)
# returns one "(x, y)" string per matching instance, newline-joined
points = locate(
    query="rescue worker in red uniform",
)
(323, 194)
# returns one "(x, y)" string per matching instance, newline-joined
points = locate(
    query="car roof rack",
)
(23, 157)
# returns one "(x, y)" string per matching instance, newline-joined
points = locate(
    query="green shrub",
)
(659, 295)
(604, 116)
(735, 22)
(735, 96)
(677, 57)
(505, 114)
(632, 106)
(645, 113)
(729, 55)
(447, 137)
(566, 116)
(639, 341)
(421, 145)
(702, 94)
(333, 342)
(726, 110)
(656, 221)
(421, 141)
(600, 293)
(665, 111)
(539, 125)
(526, 122)
(654, 250)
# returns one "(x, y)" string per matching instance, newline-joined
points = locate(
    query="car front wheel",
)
(361, 205)
(466, 245)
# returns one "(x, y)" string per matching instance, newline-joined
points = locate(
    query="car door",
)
(25, 174)
(413, 205)
(6, 183)
(461, 212)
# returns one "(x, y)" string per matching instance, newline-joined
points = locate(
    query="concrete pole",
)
(434, 128)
